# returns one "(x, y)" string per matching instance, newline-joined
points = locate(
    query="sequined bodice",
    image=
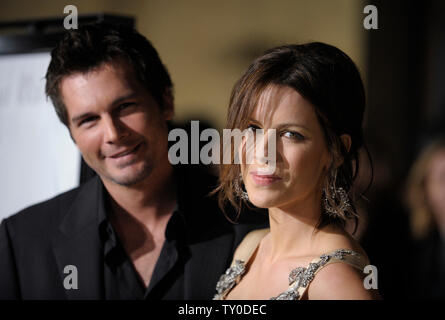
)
(299, 278)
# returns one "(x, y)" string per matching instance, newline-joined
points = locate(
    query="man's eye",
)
(293, 135)
(86, 120)
(125, 105)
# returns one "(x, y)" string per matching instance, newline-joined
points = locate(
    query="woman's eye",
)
(252, 127)
(293, 135)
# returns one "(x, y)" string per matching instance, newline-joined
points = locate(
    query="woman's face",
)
(435, 185)
(302, 157)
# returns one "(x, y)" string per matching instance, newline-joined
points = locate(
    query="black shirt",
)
(122, 281)
(73, 229)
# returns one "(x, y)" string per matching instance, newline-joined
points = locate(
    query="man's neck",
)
(149, 200)
(140, 215)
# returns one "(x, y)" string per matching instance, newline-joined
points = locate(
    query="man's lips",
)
(124, 152)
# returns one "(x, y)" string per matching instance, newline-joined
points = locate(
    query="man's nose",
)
(114, 131)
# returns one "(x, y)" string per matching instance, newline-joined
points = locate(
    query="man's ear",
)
(169, 106)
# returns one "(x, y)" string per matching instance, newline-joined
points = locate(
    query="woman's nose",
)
(265, 147)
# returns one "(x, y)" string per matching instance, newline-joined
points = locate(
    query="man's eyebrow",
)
(120, 99)
(116, 101)
(81, 116)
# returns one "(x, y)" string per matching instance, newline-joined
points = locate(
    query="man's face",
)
(115, 122)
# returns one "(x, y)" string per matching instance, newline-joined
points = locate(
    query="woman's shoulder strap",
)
(248, 245)
(300, 278)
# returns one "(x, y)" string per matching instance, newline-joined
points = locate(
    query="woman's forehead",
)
(282, 103)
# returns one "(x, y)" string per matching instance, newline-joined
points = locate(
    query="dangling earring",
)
(240, 192)
(338, 203)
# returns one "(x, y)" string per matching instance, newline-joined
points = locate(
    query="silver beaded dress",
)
(299, 278)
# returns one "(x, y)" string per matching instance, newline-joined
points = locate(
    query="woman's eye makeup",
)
(289, 134)
(293, 135)
(253, 127)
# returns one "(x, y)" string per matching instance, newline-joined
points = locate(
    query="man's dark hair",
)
(84, 49)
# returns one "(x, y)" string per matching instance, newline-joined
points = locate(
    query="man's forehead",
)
(107, 76)
(119, 66)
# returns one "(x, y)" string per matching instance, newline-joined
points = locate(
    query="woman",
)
(426, 190)
(425, 199)
(312, 96)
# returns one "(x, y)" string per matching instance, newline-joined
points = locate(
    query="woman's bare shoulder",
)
(336, 238)
(339, 281)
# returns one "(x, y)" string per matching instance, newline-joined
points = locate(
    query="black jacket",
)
(38, 242)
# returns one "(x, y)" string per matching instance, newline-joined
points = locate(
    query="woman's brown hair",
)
(326, 77)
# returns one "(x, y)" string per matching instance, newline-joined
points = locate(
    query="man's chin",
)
(128, 179)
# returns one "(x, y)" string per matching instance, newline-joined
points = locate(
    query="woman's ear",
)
(346, 140)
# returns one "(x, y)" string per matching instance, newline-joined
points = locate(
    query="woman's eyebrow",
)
(282, 125)
(251, 120)
(291, 124)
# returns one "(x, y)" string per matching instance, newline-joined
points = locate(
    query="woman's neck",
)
(294, 230)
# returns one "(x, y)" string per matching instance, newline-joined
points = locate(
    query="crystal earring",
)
(338, 202)
(238, 190)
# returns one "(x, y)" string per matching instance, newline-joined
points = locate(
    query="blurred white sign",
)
(37, 156)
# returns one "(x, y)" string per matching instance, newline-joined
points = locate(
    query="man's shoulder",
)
(48, 211)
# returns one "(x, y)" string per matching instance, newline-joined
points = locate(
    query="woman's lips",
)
(263, 179)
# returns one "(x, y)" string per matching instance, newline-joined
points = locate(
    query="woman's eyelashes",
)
(294, 135)
(253, 127)
(289, 134)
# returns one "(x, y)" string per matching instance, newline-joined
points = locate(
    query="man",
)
(140, 229)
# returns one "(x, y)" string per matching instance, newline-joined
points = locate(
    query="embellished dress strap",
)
(248, 246)
(300, 278)
(241, 258)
